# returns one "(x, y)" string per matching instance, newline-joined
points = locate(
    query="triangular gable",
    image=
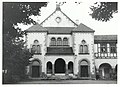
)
(58, 19)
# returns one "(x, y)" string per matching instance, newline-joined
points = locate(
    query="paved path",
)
(69, 82)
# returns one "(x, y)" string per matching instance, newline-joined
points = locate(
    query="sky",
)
(79, 12)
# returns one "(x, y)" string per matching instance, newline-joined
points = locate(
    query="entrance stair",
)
(59, 77)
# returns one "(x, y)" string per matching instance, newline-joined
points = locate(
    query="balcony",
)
(59, 50)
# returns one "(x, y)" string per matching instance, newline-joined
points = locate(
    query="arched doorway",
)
(36, 68)
(70, 67)
(60, 66)
(84, 68)
(105, 71)
(49, 68)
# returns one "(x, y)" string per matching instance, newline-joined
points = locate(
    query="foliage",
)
(15, 54)
(103, 11)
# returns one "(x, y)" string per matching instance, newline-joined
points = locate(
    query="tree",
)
(15, 54)
(103, 11)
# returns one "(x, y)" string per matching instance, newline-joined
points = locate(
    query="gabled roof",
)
(59, 30)
(58, 9)
(82, 28)
(105, 37)
(36, 28)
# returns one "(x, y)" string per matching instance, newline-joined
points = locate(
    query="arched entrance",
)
(84, 68)
(70, 67)
(36, 68)
(60, 66)
(49, 68)
(105, 71)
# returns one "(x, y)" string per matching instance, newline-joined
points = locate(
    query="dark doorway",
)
(106, 71)
(84, 71)
(59, 66)
(49, 68)
(70, 67)
(35, 71)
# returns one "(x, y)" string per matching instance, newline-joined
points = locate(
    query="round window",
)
(58, 19)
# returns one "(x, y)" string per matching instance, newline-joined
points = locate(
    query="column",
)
(108, 50)
(113, 73)
(53, 72)
(30, 70)
(89, 72)
(66, 69)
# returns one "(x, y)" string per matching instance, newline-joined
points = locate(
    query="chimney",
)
(77, 21)
(58, 7)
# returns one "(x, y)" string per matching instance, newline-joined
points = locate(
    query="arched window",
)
(70, 67)
(36, 47)
(59, 41)
(49, 68)
(83, 47)
(53, 41)
(36, 41)
(65, 41)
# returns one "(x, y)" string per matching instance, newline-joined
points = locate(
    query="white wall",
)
(89, 38)
(40, 36)
(50, 22)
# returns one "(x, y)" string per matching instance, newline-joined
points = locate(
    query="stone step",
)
(59, 77)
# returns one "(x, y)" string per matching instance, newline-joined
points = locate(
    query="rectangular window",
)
(103, 48)
(113, 48)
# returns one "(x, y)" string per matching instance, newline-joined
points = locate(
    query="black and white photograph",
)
(59, 42)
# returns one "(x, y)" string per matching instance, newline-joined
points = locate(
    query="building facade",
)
(62, 47)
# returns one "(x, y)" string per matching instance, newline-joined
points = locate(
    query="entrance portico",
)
(59, 66)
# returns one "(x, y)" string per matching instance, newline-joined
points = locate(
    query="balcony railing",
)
(106, 55)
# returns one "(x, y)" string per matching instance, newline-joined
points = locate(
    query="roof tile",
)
(83, 28)
(105, 37)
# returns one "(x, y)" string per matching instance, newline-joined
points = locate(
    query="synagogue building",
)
(59, 46)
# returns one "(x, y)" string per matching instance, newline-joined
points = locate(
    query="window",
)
(113, 48)
(59, 41)
(36, 47)
(53, 41)
(65, 41)
(83, 47)
(103, 47)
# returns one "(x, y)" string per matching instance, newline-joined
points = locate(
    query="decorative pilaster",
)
(53, 72)
(66, 69)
